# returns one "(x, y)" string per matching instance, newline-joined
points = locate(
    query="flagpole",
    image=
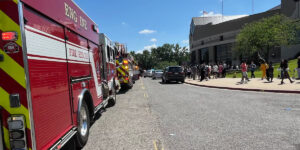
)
(222, 10)
(252, 7)
(203, 17)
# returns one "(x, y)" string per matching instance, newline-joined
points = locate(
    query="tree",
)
(162, 56)
(260, 37)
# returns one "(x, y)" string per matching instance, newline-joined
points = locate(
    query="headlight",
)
(15, 125)
(17, 144)
(17, 134)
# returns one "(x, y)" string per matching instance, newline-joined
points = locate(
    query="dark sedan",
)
(173, 74)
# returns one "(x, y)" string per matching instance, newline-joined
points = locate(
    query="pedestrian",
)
(298, 68)
(189, 72)
(224, 70)
(202, 72)
(252, 69)
(263, 67)
(199, 71)
(209, 71)
(215, 71)
(194, 71)
(270, 71)
(284, 71)
(206, 72)
(244, 69)
(220, 70)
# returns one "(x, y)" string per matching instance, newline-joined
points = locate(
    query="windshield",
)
(175, 69)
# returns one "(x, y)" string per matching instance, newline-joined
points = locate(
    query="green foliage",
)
(164, 64)
(163, 56)
(265, 34)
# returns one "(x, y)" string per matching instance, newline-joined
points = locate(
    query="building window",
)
(223, 53)
(221, 38)
(204, 56)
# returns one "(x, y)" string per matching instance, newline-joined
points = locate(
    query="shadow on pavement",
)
(97, 116)
(123, 91)
(169, 83)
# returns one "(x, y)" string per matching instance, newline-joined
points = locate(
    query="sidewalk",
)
(253, 85)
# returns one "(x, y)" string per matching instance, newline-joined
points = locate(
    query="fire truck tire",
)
(113, 100)
(130, 84)
(83, 126)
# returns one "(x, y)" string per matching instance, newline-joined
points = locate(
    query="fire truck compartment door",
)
(95, 58)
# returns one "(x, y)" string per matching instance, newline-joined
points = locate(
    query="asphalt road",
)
(155, 116)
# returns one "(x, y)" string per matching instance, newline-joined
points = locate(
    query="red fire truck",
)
(109, 52)
(50, 74)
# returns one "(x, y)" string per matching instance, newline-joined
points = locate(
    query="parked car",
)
(157, 74)
(149, 73)
(173, 73)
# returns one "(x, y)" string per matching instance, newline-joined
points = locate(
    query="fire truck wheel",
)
(83, 126)
(130, 84)
(112, 101)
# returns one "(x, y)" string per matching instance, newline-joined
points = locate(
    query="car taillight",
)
(9, 36)
(181, 72)
(169, 72)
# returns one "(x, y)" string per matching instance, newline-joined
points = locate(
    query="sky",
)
(142, 24)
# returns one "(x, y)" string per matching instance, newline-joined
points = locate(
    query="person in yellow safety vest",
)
(263, 67)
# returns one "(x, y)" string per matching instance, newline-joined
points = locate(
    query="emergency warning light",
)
(9, 36)
(125, 62)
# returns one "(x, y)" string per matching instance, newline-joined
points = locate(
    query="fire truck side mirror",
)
(1, 57)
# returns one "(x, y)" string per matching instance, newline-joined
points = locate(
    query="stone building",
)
(212, 38)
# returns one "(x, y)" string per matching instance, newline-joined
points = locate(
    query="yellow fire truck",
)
(125, 67)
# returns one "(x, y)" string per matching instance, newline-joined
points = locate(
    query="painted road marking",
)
(157, 145)
(146, 95)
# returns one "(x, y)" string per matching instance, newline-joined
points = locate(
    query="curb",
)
(243, 89)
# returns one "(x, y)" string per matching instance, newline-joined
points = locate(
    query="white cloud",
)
(147, 31)
(210, 14)
(124, 23)
(149, 47)
(139, 52)
(185, 42)
(153, 40)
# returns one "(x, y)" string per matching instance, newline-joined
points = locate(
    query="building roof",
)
(214, 19)
(275, 8)
(205, 30)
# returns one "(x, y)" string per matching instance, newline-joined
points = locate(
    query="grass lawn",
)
(258, 72)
